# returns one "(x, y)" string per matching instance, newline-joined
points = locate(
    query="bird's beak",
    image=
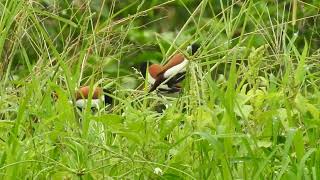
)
(189, 49)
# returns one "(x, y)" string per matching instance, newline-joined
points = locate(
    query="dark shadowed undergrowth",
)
(249, 109)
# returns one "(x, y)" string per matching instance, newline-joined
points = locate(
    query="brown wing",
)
(154, 70)
(175, 60)
(83, 92)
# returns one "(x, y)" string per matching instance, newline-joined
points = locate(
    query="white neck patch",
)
(176, 69)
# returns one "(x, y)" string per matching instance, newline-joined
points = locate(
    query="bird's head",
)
(107, 98)
(143, 68)
(98, 94)
(193, 48)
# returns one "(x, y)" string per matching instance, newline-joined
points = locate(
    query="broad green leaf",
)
(299, 145)
(108, 119)
(300, 71)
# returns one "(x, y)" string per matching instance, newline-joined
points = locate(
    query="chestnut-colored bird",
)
(173, 72)
(153, 70)
(99, 96)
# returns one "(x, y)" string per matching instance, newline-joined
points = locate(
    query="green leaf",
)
(59, 18)
(303, 162)
(109, 119)
(133, 136)
(300, 71)
(299, 145)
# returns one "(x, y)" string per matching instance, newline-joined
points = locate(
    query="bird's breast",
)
(95, 103)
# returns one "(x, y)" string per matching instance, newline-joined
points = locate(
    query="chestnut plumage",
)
(99, 96)
(170, 86)
(83, 93)
(173, 72)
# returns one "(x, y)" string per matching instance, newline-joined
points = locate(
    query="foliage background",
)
(250, 105)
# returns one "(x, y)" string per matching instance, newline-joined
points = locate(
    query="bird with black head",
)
(166, 78)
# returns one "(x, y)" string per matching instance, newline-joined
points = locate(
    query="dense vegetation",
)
(249, 109)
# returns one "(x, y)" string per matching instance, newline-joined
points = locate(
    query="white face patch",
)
(95, 103)
(151, 80)
(176, 69)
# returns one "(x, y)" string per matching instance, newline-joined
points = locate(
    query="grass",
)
(249, 109)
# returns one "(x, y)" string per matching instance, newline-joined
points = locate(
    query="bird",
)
(167, 77)
(153, 71)
(99, 96)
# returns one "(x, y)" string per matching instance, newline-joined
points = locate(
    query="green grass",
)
(250, 106)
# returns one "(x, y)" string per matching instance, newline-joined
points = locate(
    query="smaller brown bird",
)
(99, 96)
